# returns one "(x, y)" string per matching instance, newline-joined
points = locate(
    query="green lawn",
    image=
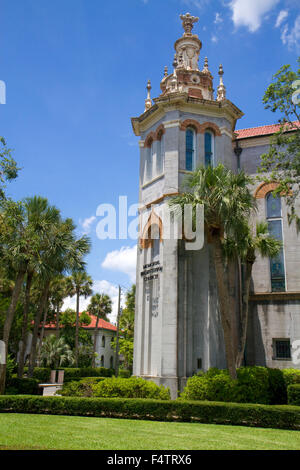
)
(25, 431)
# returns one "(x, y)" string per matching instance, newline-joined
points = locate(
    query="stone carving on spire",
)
(148, 101)
(188, 23)
(221, 92)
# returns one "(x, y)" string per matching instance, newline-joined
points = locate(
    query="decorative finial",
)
(166, 71)
(148, 101)
(188, 22)
(221, 93)
(205, 68)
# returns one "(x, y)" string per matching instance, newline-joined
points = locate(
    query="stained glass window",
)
(189, 149)
(277, 269)
(208, 149)
(273, 206)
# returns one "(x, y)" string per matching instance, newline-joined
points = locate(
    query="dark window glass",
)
(282, 349)
(208, 148)
(189, 152)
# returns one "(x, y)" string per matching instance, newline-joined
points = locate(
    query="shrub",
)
(280, 416)
(291, 376)
(79, 388)
(294, 394)
(277, 387)
(130, 388)
(24, 386)
(124, 373)
(42, 374)
(253, 385)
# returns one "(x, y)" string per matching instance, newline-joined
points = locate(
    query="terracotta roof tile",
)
(101, 324)
(259, 131)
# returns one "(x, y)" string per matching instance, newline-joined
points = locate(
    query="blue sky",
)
(76, 71)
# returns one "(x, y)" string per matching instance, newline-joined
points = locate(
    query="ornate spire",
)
(205, 68)
(148, 101)
(221, 94)
(188, 23)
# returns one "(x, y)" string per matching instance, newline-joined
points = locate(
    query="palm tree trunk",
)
(57, 320)
(245, 311)
(43, 330)
(77, 329)
(95, 339)
(25, 324)
(37, 322)
(225, 306)
(8, 323)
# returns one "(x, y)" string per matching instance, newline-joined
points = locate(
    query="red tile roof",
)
(261, 130)
(101, 324)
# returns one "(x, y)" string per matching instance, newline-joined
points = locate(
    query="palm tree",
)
(55, 352)
(79, 284)
(227, 202)
(100, 306)
(62, 253)
(27, 224)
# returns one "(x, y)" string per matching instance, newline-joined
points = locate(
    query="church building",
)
(178, 329)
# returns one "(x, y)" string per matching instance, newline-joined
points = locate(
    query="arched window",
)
(209, 148)
(160, 156)
(274, 217)
(190, 149)
(102, 361)
(103, 341)
(149, 162)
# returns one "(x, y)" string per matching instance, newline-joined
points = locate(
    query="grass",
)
(29, 432)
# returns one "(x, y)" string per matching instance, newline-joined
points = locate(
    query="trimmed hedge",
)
(294, 394)
(124, 373)
(72, 373)
(291, 376)
(276, 416)
(42, 374)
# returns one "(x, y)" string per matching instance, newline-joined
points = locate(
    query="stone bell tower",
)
(177, 325)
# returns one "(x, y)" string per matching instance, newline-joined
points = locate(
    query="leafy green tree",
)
(127, 329)
(227, 202)
(100, 306)
(79, 284)
(8, 166)
(282, 161)
(246, 247)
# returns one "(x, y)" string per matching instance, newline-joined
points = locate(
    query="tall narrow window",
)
(274, 217)
(190, 149)
(149, 162)
(155, 235)
(160, 155)
(208, 148)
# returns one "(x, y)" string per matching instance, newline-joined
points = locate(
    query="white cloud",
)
(123, 260)
(283, 14)
(218, 19)
(250, 13)
(214, 38)
(292, 38)
(87, 223)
